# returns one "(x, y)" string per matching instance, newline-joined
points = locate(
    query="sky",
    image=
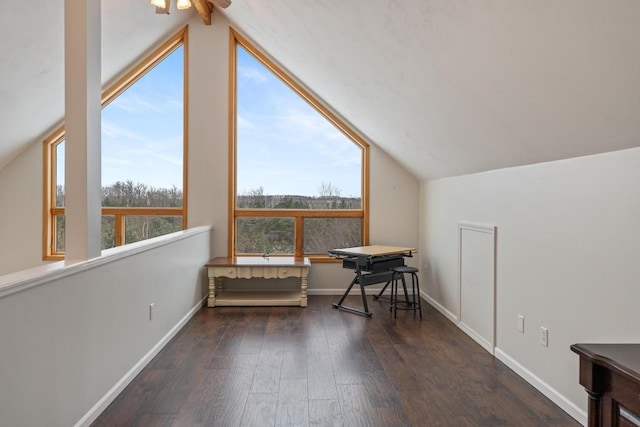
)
(284, 145)
(142, 129)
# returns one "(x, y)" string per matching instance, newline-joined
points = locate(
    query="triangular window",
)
(300, 172)
(142, 144)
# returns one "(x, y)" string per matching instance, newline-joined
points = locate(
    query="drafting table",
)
(372, 265)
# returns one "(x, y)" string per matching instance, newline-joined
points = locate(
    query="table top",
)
(373, 250)
(623, 357)
(259, 261)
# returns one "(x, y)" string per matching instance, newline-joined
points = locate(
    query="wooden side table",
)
(610, 373)
(257, 267)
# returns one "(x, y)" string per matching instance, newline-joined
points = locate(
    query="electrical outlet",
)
(544, 336)
(152, 311)
(521, 323)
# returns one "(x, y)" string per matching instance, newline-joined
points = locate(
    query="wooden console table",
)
(257, 267)
(611, 375)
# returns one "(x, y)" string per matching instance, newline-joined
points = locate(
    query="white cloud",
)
(134, 102)
(253, 74)
(112, 130)
(243, 122)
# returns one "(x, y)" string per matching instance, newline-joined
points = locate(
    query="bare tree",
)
(328, 190)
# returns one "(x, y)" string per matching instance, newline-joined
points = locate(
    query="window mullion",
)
(299, 235)
(54, 234)
(119, 230)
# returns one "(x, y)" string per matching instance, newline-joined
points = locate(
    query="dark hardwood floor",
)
(266, 366)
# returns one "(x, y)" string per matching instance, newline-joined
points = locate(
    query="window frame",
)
(235, 40)
(51, 211)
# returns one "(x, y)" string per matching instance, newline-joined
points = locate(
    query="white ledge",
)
(25, 279)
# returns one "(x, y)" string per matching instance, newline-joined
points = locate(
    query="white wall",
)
(567, 258)
(394, 191)
(68, 339)
(208, 127)
(21, 211)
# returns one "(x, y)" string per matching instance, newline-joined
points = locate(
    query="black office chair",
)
(398, 274)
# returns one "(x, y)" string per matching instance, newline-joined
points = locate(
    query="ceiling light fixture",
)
(162, 6)
(204, 7)
(183, 4)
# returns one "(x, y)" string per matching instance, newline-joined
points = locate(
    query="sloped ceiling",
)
(447, 87)
(32, 60)
(451, 87)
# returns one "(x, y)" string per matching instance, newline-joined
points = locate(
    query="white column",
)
(82, 126)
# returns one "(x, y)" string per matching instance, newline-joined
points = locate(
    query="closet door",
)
(477, 283)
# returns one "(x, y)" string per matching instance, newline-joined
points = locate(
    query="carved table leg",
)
(595, 409)
(211, 302)
(303, 291)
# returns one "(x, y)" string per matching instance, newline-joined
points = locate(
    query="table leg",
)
(303, 291)
(211, 302)
(379, 294)
(364, 300)
(346, 292)
(353, 310)
(595, 418)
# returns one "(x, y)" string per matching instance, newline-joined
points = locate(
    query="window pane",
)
(265, 235)
(143, 139)
(108, 231)
(145, 227)
(285, 148)
(322, 234)
(142, 151)
(60, 174)
(59, 219)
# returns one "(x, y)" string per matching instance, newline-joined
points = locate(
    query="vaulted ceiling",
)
(447, 87)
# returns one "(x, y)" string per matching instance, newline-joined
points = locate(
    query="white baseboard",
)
(552, 394)
(435, 304)
(106, 400)
(476, 337)
(542, 387)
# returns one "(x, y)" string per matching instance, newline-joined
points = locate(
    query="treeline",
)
(329, 197)
(254, 235)
(134, 195)
(131, 195)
